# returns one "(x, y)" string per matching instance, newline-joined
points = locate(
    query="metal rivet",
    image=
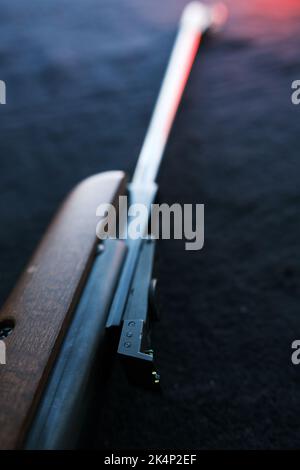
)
(129, 334)
(127, 344)
(131, 323)
(100, 249)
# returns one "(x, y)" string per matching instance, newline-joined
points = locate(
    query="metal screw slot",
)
(6, 328)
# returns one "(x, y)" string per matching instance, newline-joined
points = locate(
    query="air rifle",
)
(77, 291)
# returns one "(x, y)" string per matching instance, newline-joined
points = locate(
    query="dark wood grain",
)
(42, 303)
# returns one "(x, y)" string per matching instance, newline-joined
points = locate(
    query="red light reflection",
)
(275, 8)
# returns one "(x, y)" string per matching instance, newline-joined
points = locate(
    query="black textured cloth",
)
(82, 78)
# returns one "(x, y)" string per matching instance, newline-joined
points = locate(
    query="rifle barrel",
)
(196, 20)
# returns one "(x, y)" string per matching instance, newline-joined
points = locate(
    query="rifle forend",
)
(40, 307)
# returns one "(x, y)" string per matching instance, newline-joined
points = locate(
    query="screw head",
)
(127, 344)
(156, 377)
(6, 328)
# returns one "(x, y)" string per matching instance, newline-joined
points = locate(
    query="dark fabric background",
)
(82, 77)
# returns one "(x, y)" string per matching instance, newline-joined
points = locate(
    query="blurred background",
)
(82, 77)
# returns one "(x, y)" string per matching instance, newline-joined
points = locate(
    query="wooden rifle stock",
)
(41, 305)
